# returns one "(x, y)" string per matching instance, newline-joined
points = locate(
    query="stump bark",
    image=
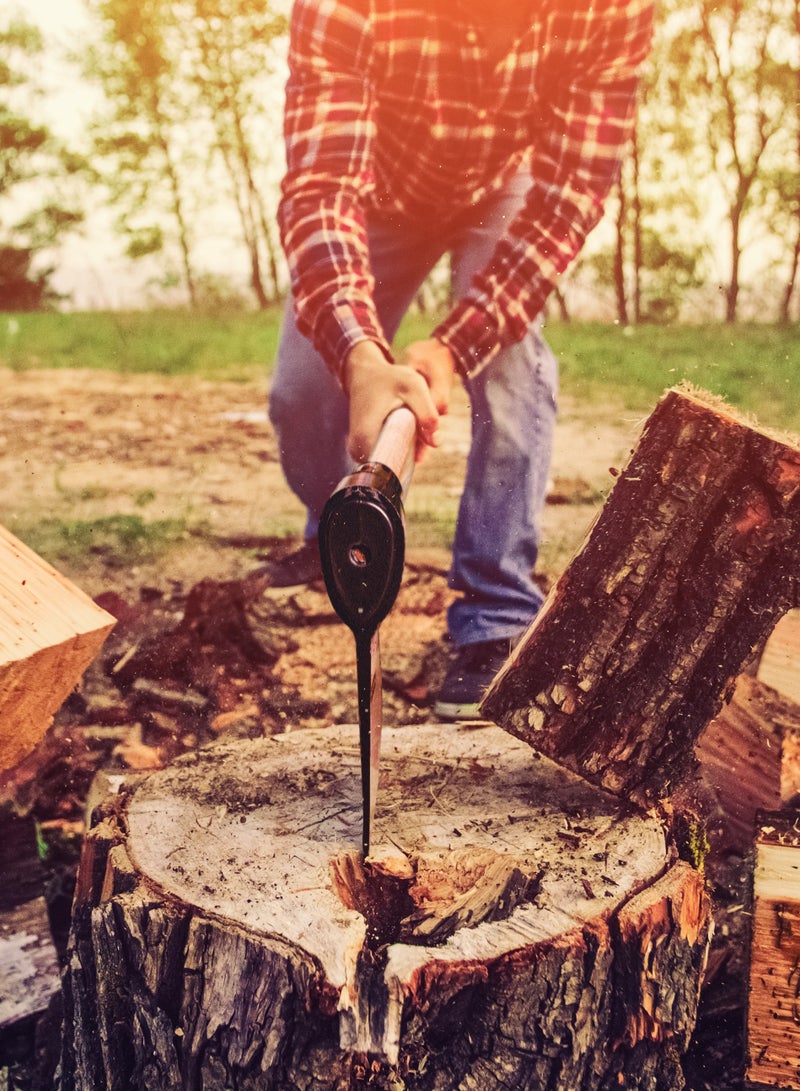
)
(693, 559)
(515, 927)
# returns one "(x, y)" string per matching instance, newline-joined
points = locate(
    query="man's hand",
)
(375, 387)
(434, 362)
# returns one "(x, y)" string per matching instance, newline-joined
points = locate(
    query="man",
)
(416, 128)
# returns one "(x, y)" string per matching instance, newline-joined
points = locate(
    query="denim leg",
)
(513, 403)
(307, 408)
(497, 534)
(308, 411)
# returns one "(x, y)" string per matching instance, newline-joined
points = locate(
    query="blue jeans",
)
(513, 407)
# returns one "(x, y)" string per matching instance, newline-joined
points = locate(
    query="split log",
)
(50, 631)
(694, 557)
(773, 1021)
(778, 664)
(739, 770)
(739, 773)
(516, 927)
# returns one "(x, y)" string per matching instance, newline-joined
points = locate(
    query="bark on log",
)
(694, 557)
(50, 631)
(516, 927)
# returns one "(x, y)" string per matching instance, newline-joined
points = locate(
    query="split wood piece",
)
(738, 774)
(778, 665)
(790, 766)
(694, 557)
(739, 757)
(50, 632)
(773, 1018)
(515, 927)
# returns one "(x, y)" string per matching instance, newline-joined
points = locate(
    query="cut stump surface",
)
(515, 927)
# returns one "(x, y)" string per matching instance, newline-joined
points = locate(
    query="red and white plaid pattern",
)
(394, 107)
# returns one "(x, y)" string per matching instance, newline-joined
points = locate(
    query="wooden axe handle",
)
(394, 446)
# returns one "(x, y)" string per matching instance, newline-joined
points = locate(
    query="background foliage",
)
(184, 156)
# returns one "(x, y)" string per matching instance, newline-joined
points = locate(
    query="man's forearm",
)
(328, 130)
(586, 123)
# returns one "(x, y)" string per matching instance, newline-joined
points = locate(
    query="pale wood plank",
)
(50, 631)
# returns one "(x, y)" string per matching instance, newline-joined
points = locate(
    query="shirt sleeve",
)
(328, 130)
(584, 123)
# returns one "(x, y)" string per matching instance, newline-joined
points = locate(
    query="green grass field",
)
(755, 367)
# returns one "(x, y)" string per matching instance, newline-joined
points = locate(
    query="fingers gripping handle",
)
(394, 446)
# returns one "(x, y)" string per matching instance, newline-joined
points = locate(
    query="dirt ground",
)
(87, 445)
(88, 457)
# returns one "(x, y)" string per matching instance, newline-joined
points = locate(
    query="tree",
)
(653, 260)
(141, 142)
(230, 47)
(790, 189)
(730, 68)
(184, 142)
(32, 220)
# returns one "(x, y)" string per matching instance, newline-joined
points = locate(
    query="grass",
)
(122, 540)
(752, 366)
(431, 525)
(238, 347)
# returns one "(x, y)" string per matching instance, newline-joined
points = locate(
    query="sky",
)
(56, 16)
(58, 11)
(64, 24)
(90, 269)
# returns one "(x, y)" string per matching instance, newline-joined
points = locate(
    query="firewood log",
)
(50, 631)
(693, 559)
(773, 1021)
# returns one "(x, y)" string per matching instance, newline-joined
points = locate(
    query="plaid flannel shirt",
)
(394, 108)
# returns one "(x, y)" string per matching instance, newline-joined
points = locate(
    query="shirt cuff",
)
(476, 335)
(343, 326)
(471, 335)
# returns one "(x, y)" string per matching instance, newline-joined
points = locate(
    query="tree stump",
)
(693, 559)
(515, 927)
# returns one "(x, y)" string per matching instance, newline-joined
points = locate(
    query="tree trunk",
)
(693, 559)
(515, 927)
(732, 290)
(619, 256)
(785, 313)
(638, 247)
